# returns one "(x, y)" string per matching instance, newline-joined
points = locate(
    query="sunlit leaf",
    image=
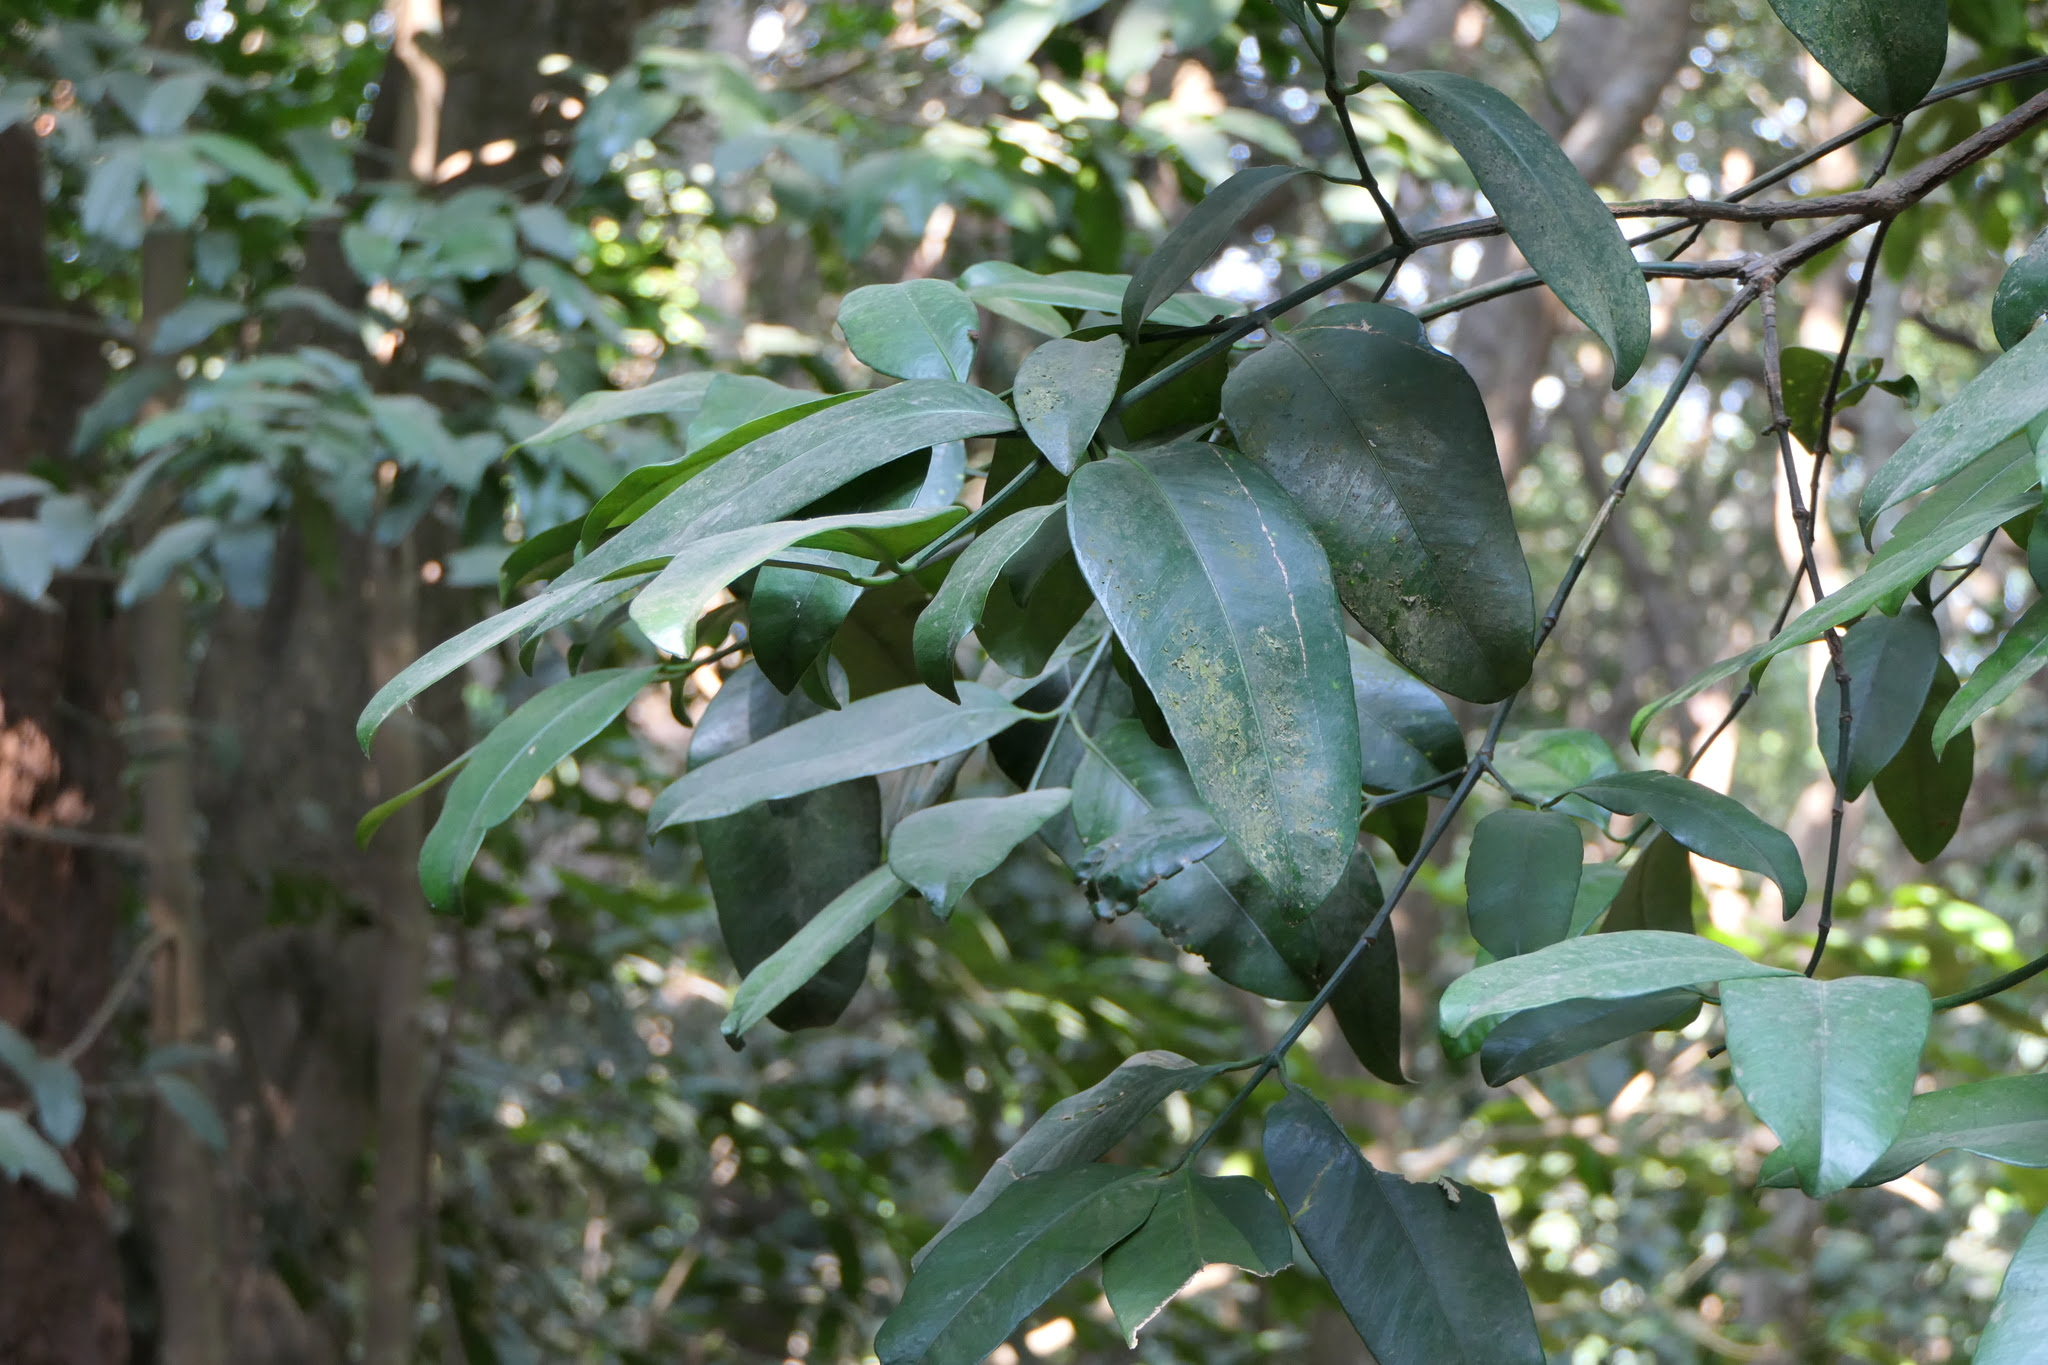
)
(1887, 53)
(1597, 967)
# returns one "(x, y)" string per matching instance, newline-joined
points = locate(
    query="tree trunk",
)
(60, 1284)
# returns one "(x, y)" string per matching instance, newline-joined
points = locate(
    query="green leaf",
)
(502, 769)
(766, 478)
(112, 207)
(1209, 575)
(191, 323)
(1828, 1066)
(667, 608)
(237, 157)
(1978, 500)
(1406, 735)
(811, 949)
(878, 734)
(1599, 885)
(1162, 843)
(177, 178)
(1367, 1002)
(1923, 789)
(1537, 17)
(2019, 1319)
(1534, 1039)
(1195, 241)
(2019, 656)
(1219, 908)
(1598, 967)
(541, 555)
(1718, 828)
(1014, 30)
(943, 850)
(1398, 323)
(374, 818)
(168, 550)
(961, 599)
(773, 867)
(1891, 662)
(1887, 53)
(1657, 893)
(2007, 395)
(1521, 878)
(1387, 448)
(192, 1107)
(1547, 764)
(2022, 297)
(919, 329)
(680, 397)
(1031, 299)
(1063, 391)
(980, 1283)
(1082, 1127)
(1548, 209)
(2004, 1119)
(1199, 1221)
(1039, 597)
(25, 1153)
(1806, 374)
(53, 1084)
(1423, 1271)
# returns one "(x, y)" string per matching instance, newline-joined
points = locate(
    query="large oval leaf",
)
(524, 747)
(877, 734)
(1891, 662)
(1600, 967)
(774, 866)
(1063, 391)
(977, 1285)
(1223, 599)
(1521, 879)
(2019, 1319)
(1423, 1272)
(1196, 240)
(1829, 1066)
(1386, 447)
(1923, 789)
(812, 949)
(1551, 213)
(1200, 1220)
(1406, 735)
(918, 329)
(1887, 53)
(2019, 656)
(1716, 827)
(2004, 1119)
(943, 850)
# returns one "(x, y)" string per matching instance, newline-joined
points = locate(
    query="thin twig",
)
(1993, 986)
(1066, 709)
(1963, 572)
(124, 845)
(138, 962)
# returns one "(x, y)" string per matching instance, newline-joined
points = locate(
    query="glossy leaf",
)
(679, 397)
(2019, 1318)
(1063, 391)
(2007, 395)
(1160, 844)
(1080, 1128)
(1406, 735)
(2018, 657)
(2022, 297)
(1657, 893)
(1828, 1066)
(1199, 1221)
(1548, 209)
(810, 949)
(1597, 967)
(1718, 828)
(1534, 1039)
(1398, 323)
(2004, 1120)
(666, 610)
(1367, 1002)
(502, 769)
(1422, 1271)
(961, 599)
(1891, 662)
(1521, 878)
(1887, 53)
(978, 1284)
(773, 867)
(1387, 448)
(1194, 242)
(943, 850)
(877, 734)
(918, 329)
(1923, 789)
(1213, 583)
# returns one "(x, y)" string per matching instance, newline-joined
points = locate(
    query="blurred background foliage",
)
(373, 288)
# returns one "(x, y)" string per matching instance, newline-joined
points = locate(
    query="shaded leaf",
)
(1534, 1039)
(192, 1107)
(943, 850)
(1063, 391)
(1546, 764)
(2022, 297)
(1199, 1221)
(1657, 892)
(1923, 790)
(1597, 967)
(918, 329)
(1887, 53)
(168, 550)
(1214, 585)
(1194, 242)
(2018, 657)
(1423, 1271)
(1599, 884)
(1521, 879)
(2019, 1319)
(678, 397)
(1406, 735)
(2004, 1119)
(1367, 1002)
(811, 949)
(1716, 827)
(1387, 448)
(1891, 662)
(1548, 209)
(1157, 845)
(1828, 1066)
(191, 323)
(959, 603)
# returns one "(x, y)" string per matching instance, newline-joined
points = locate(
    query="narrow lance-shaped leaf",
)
(978, 1284)
(1521, 878)
(877, 734)
(1923, 789)
(1063, 391)
(1828, 1065)
(2019, 1319)
(1598, 967)
(502, 769)
(1887, 53)
(678, 397)
(1716, 827)
(1550, 212)
(918, 329)
(958, 605)
(1891, 662)
(1197, 239)
(2004, 1119)
(789, 968)
(1534, 1039)
(1199, 1221)
(25, 1153)
(2018, 657)
(1386, 447)
(1211, 579)
(943, 850)
(1423, 1271)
